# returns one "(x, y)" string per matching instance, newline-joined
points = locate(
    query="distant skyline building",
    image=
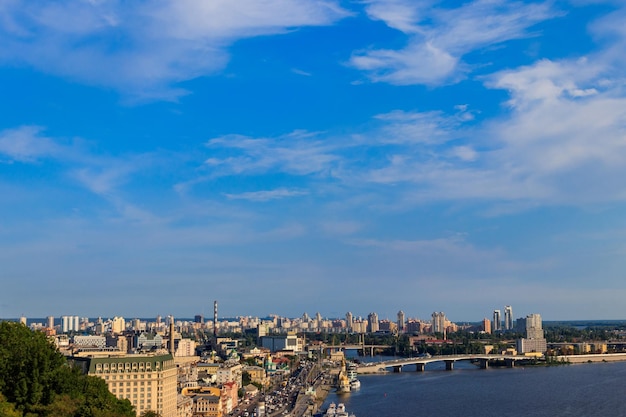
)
(372, 319)
(487, 325)
(497, 321)
(508, 318)
(349, 321)
(118, 325)
(438, 322)
(70, 324)
(534, 326)
(401, 321)
(534, 341)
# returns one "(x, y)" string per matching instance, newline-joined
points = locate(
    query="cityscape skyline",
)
(438, 318)
(301, 156)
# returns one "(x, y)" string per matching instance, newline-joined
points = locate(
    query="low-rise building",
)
(257, 375)
(229, 372)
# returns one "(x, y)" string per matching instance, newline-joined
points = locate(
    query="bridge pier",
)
(397, 369)
(420, 367)
(510, 363)
(484, 363)
(449, 365)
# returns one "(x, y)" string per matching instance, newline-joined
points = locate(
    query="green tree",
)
(7, 409)
(150, 413)
(28, 362)
(37, 381)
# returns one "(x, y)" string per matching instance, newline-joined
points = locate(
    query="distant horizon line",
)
(210, 319)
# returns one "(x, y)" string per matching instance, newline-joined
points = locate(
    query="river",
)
(584, 390)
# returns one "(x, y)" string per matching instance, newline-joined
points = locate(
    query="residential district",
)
(276, 366)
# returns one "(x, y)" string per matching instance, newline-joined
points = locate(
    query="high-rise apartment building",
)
(534, 327)
(508, 318)
(118, 325)
(401, 321)
(487, 325)
(372, 319)
(497, 321)
(349, 320)
(147, 381)
(439, 322)
(534, 341)
(69, 324)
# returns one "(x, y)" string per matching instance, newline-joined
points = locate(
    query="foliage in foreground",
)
(36, 381)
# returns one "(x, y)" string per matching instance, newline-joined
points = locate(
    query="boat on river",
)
(337, 410)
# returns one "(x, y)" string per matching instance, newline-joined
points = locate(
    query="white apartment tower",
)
(497, 321)
(508, 318)
(439, 322)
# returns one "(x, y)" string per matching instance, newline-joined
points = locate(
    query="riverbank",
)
(592, 358)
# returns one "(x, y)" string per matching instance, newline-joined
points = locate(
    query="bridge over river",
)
(396, 365)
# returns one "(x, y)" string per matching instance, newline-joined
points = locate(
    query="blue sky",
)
(284, 157)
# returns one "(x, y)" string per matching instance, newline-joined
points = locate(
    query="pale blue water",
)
(583, 390)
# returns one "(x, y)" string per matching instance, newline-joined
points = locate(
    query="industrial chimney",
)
(172, 350)
(215, 318)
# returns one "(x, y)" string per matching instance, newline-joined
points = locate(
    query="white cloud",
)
(26, 144)
(438, 38)
(267, 195)
(298, 153)
(142, 49)
(422, 63)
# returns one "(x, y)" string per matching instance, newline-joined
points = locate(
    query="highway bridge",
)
(396, 365)
(362, 347)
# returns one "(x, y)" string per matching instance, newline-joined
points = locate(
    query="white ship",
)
(337, 410)
(355, 384)
(351, 373)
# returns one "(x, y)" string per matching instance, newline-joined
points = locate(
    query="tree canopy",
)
(36, 380)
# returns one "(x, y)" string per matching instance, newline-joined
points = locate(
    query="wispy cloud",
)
(27, 144)
(297, 153)
(267, 195)
(144, 49)
(438, 37)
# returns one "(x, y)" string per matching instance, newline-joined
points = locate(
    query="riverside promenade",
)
(590, 358)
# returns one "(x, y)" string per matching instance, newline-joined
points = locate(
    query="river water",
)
(584, 390)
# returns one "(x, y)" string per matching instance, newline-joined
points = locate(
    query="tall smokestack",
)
(172, 335)
(215, 318)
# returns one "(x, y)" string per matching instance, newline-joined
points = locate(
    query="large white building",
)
(99, 342)
(70, 323)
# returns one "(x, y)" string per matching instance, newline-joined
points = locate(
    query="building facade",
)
(497, 321)
(508, 318)
(147, 381)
